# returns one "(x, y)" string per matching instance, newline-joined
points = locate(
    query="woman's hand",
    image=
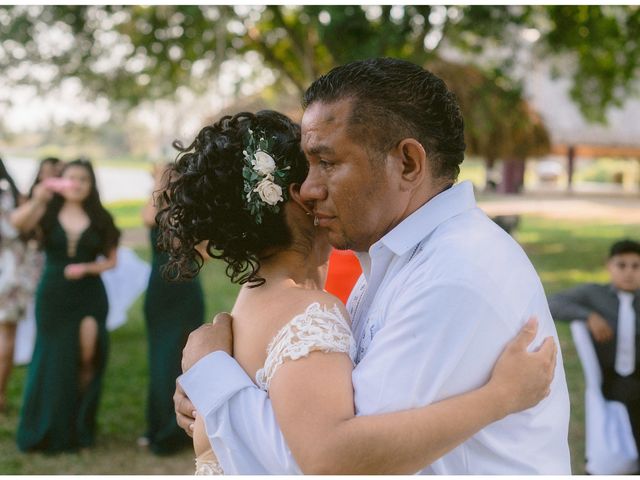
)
(75, 271)
(521, 379)
(42, 193)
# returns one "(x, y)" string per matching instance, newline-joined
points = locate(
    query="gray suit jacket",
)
(577, 304)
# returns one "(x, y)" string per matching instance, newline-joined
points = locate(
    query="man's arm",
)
(575, 304)
(238, 417)
(572, 304)
(313, 403)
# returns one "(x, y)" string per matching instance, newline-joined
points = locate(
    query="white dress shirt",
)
(440, 296)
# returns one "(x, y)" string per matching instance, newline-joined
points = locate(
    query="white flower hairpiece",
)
(265, 185)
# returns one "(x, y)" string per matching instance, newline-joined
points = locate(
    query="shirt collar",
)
(615, 291)
(417, 226)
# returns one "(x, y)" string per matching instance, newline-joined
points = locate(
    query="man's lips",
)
(323, 219)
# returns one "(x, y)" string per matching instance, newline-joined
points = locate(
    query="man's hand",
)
(185, 411)
(599, 328)
(524, 378)
(210, 337)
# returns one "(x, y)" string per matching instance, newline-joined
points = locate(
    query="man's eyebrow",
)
(318, 149)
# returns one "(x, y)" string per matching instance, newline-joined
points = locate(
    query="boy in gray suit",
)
(612, 312)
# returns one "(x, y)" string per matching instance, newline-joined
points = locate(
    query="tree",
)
(129, 53)
(499, 123)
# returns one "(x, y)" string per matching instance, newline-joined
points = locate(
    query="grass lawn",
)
(564, 253)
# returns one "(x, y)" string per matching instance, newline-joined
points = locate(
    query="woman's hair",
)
(99, 217)
(206, 197)
(48, 160)
(4, 175)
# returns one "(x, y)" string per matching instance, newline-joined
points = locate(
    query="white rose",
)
(263, 163)
(269, 192)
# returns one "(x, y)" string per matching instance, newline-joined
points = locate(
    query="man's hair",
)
(624, 246)
(395, 99)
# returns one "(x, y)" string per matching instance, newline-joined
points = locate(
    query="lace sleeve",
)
(317, 329)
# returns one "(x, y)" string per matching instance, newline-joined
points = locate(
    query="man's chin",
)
(339, 242)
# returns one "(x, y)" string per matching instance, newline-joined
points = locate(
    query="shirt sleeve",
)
(431, 334)
(572, 304)
(239, 418)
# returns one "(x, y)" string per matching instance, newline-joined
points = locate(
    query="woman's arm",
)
(26, 217)
(76, 271)
(313, 402)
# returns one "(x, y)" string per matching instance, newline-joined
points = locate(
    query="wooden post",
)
(512, 175)
(571, 154)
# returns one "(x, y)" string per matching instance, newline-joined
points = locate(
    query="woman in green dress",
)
(65, 376)
(172, 310)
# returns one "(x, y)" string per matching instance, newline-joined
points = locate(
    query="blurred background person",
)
(611, 312)
(14, 288)
(49, 167)
(65, 376)
(172, 310)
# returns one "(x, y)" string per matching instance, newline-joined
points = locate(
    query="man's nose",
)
(312, 189)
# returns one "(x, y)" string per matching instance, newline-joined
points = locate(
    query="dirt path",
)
(620, 209)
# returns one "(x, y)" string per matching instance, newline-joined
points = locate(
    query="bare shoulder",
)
(302, 299)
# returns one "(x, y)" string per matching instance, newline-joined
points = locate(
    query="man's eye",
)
(324, 163)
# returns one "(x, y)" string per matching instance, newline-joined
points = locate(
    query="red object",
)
(344, 270)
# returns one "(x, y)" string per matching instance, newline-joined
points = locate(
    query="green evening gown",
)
(56, 416)
(172, 310)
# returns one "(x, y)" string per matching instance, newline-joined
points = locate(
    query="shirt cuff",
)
(213, 380)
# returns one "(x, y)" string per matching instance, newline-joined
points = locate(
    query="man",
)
(611, 311)
(443, 288)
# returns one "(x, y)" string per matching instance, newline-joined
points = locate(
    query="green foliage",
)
(127, 213)
(129, 53)
(605, 41)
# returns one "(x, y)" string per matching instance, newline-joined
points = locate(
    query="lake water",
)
(114, 183)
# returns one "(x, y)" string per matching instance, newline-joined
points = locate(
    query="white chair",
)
(610, 446)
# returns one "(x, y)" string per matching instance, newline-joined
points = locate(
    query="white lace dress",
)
(317, 329)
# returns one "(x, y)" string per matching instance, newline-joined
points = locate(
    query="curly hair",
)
(204, 198)
(395, 99)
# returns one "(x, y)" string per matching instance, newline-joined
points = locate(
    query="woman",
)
(14, 287)
(237, 187)
(49, 167)
(65, 375)
(171, 311)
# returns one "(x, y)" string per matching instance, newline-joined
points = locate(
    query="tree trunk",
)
(512, 175)
(571, 160)
(491, 175)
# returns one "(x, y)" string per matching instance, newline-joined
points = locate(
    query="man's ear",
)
(412, 162)
(294, 194)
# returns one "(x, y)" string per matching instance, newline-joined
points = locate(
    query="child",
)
(612, 312)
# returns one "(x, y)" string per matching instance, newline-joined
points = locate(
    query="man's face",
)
(624, 270)
(355, 197)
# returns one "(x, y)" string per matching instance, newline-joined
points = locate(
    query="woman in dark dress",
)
(65, 376)
(172, 310)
